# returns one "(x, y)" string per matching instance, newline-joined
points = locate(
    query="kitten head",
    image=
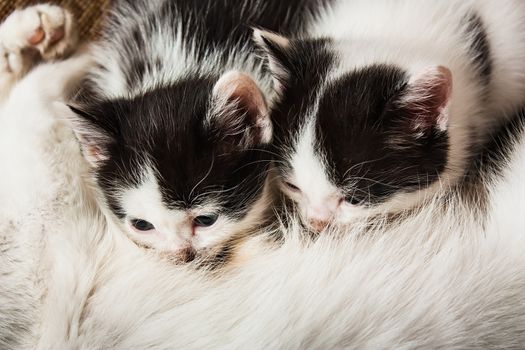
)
(183, 166)
(354, 142)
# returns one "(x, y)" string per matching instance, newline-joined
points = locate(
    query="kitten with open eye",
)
(175, 119)
(385, 102)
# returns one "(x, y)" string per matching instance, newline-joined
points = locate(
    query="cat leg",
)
(38, 32)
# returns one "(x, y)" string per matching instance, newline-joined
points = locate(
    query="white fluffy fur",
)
(448, 277)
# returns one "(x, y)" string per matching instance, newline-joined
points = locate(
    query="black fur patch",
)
(373, 147)
(307, 62)
(370, 142)
(480, 46)
(165, 128)
(227, 23)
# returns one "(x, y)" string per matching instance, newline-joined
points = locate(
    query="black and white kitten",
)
(387, 101)
(175, 118)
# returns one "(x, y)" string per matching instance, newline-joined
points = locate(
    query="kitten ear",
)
(275, 47)
(91, 135)
(427, 98)
(239, 115)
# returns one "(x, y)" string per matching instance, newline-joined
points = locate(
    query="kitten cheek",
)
(303, 212)
(206, 236)
(348, 206)
(348, 213)
(208, 230)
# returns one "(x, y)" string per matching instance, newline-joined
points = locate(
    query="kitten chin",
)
(235, 251)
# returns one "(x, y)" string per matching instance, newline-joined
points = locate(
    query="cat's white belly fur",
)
(68, 279)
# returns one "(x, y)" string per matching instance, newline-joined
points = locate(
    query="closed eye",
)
(291, 186)
(354, 200)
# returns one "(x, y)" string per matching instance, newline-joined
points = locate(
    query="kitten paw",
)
(13, 65)
(48, 29)
(10, 70)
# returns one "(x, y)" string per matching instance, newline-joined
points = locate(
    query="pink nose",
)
(319, 216)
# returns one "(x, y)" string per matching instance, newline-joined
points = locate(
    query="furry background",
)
(87, 12)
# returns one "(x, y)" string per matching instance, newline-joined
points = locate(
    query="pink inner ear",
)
(428, 98)
(94, 154)
(241, 106)
(240, 87)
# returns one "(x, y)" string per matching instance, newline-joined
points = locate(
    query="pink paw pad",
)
(40, 35)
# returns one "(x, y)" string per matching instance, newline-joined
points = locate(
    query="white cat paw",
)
(48, 29)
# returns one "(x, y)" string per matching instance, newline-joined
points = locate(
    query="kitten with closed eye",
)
(386, 102)
(175, 119)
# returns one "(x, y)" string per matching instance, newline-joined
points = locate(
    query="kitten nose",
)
(318, 218)
(320, 215)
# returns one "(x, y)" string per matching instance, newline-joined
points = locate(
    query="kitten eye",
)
(205, 220)
(142, 225)
(354, 200)
(292, 187)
